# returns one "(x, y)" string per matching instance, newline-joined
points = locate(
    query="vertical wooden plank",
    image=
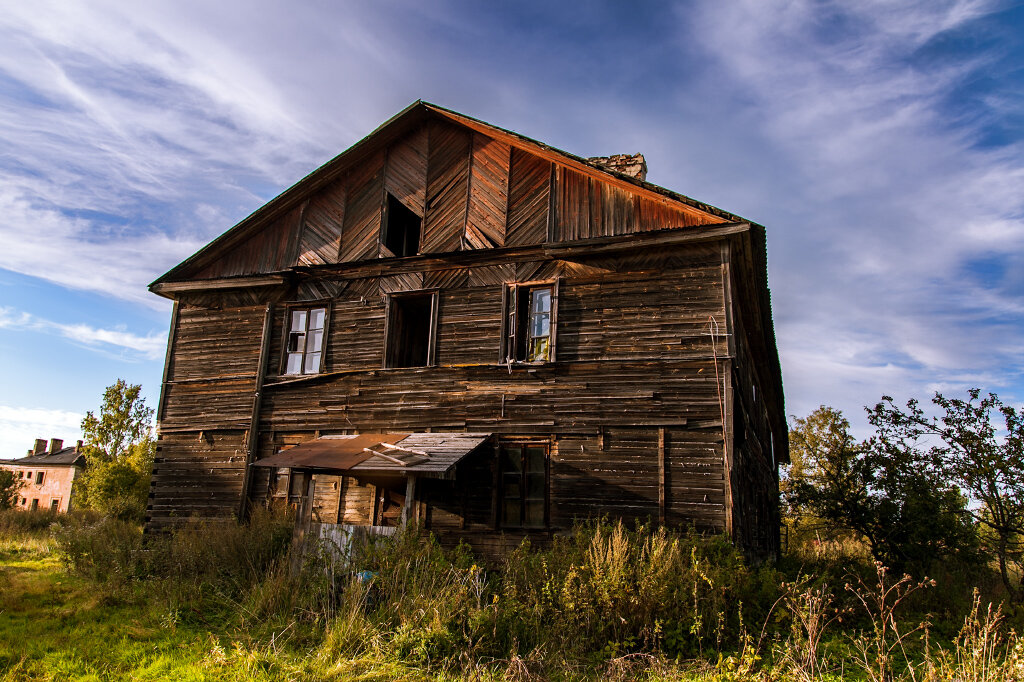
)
(662, 491)
(410, 496)
(405, 175)
(168, 358)
(252, 436)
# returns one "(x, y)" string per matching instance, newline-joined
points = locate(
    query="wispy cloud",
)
(20, 426)
(105, 340)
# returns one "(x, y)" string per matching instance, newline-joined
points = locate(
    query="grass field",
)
(85, 600)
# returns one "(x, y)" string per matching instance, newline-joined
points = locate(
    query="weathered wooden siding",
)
(324, 216)
(488, 193)
(271, 249)
(528, 199)
(447, 188)
(361, 231)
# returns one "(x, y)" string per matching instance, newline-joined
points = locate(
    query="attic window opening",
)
(410, 330)
(305, 341)
(401, 233)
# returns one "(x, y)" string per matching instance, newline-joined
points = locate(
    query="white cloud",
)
(151, 347)
(20, 426)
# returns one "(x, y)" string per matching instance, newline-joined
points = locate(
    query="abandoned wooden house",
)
(458, 325)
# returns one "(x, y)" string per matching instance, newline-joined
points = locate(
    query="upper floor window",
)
(411, 323)
(530, 323)
(39, 478)
(305, 341)
(400, 228)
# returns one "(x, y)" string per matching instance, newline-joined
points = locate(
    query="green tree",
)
(119, 449)
(964, 444)
(10, 485)
(891, 496)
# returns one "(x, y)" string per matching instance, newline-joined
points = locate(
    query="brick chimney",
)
(56, 444)
(632, 165)
(79, 446)
(40, 446)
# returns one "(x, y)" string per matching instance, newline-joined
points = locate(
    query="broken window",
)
(401, 228)
(34, 505)
(411, 321)
(523, 485)
(55, 504)
(305, 341)
(39, 478)
(530, 323)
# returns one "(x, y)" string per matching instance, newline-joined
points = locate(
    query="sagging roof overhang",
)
(429, 455)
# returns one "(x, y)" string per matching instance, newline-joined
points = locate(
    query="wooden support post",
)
(410, 495)
(662, 475)
(253, 436)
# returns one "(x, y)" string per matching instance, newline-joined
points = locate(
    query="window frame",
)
(499, 484)
(384, 234)
(40, 475)
(389, 311)
(514, 325)
(287, 331)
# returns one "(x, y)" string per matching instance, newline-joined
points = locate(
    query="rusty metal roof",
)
(425, 454)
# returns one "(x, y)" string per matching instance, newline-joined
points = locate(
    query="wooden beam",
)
(161, 403)
(410, 495)
(252, 436)
(164, 288)
(662, 492)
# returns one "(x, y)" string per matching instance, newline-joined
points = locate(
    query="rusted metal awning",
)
(433, 455)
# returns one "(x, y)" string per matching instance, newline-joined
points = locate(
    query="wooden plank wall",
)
(200, 459)
(472, 191)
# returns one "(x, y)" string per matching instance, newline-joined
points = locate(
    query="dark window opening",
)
(409, 330)
(524, 485)
(39, 478)
(34, 505)
(530, 320)
(305, 342)
(54, 505)
(401, 234)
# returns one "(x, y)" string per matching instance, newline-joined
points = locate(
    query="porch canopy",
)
(427, 455)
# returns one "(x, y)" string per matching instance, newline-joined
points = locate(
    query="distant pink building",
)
(48, 474)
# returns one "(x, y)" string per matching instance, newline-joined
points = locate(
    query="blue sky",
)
(880, 143)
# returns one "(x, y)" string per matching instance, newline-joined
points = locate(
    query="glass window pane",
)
(294, 363)
(540, 300)
(298, 321)
(540, 325)
(511, 487)
(316, 318)
(511, 513)
(538, 350)
(512, 459)
(312, 363)
(314, 340)
(535, 459)
(534, 514)
(535, 486)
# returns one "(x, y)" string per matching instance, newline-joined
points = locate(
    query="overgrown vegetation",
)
(938, 498)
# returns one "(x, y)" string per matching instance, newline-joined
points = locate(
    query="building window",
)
(401, 228)
(39, 478)
(307, 328)
(524, 483)
(55, 504)
(24, 501)
(530, 317)
(34, 505)
(411, 324)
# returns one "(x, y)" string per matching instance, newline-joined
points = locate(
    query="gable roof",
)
(65, 457)
(392, 130)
